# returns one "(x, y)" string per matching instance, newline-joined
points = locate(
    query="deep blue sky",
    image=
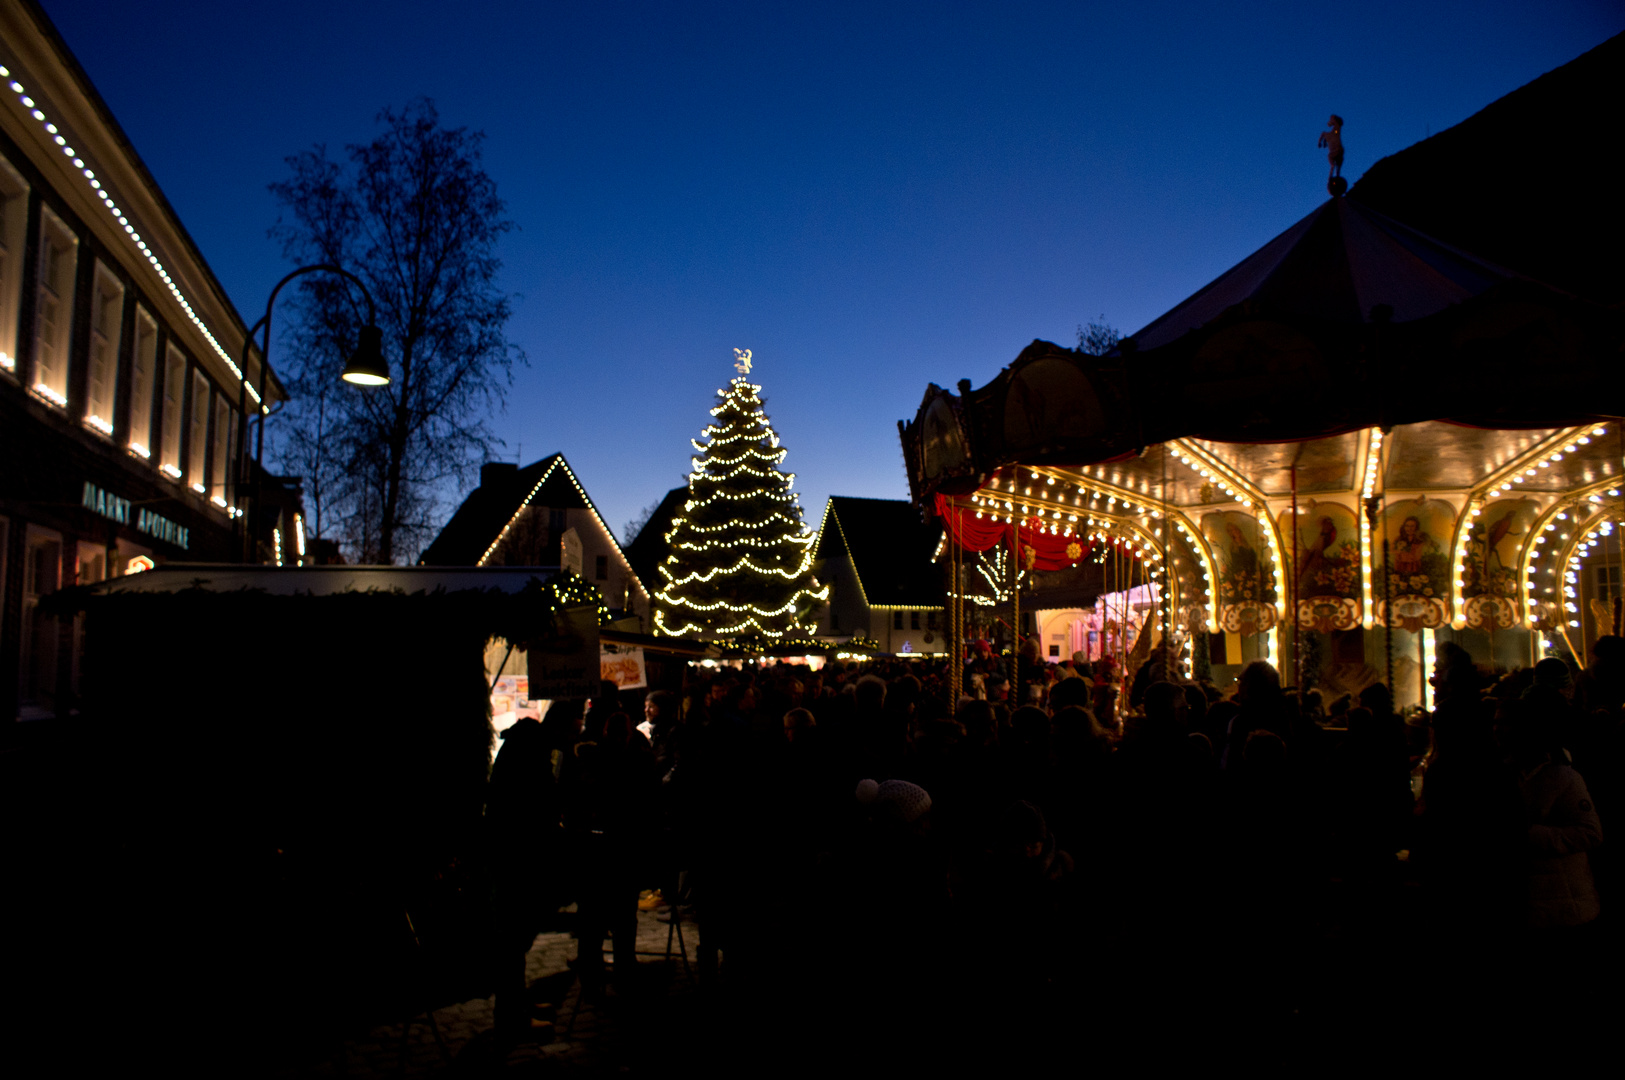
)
(870, 196)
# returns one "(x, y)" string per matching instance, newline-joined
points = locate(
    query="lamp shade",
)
(367, 366)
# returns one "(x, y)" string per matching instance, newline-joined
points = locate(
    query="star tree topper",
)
(742, 361)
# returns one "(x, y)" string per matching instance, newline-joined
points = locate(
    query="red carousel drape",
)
(1037, 546)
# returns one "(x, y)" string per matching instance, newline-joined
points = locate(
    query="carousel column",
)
(1015, 614)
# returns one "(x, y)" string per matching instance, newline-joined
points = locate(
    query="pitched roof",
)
(646, 550)
(473, 532)
(1529, 181)
(892, 549)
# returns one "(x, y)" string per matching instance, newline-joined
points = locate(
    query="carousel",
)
(1355, 444)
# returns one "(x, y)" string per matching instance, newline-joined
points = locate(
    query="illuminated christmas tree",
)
(741, 558)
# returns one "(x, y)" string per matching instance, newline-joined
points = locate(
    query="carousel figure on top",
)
(1332, 140)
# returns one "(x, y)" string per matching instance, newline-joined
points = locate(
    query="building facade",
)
(122, 395)
(876, 555)
(540, 516)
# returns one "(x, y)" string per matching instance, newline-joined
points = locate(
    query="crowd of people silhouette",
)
(1047, 845)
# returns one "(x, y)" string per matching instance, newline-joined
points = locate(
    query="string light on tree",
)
(739, 498)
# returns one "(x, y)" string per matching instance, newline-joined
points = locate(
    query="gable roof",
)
(480, 523)
(892, 549)
(646, 550)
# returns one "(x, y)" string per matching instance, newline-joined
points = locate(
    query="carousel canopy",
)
(1355, 381)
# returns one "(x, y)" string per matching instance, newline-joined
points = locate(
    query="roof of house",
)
(1528, 181)
(892, 549)
(474, 531)
(646, 550)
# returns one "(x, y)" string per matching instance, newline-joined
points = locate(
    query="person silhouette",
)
(1332, 140)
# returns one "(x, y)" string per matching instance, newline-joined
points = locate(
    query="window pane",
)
(58, 260)
(174, 397)
(197, 448)
(106, 322)
(222, 451)
(143, 364)
(13, 226)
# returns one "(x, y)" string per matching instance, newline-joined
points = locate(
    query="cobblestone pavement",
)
(591, 1044)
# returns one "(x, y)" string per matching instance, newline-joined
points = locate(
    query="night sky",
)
(870, 200)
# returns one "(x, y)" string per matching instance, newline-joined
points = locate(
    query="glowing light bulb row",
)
(735, 526)
(703, 463)
(1576, 438)
(1208, 468)
(744, 564)
(1582, 550)
(1475, 508)
(767, 613)
(719, 477)
(585, 501)
(1194, 539)
(743, 541)
(100, 191)
(1373, 461)
(740, 628)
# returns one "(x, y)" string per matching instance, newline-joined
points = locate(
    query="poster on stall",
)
(563, 662)
(622, 665)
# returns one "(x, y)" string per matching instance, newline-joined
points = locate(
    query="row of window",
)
(185, 447)
(914, 620)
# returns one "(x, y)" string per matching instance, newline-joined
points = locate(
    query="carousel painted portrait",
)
(1418, 532)
(1247, 579)
(1327, 574)
(1489, 572)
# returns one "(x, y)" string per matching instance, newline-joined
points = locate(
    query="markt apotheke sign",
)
(114, 508)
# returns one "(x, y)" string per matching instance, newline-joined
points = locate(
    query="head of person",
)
(660, 708)
(1264, 752)
(1377, 698)
(1553, 674)
(1029, 725)
(979, 721)
(1165, 704)
(1258, 684)
(896, 803)
(797, 722)
(1075, 731)
(1610, 653)
(1022, 831)
(1454, 675)
(1068, 692)
(564, 720)
(617, 729)
(871, 693)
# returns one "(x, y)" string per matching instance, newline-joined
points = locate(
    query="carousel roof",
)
(1347, 321)
(1336, 266)
(1526, 181)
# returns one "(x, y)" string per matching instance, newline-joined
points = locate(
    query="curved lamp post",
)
(366, 367)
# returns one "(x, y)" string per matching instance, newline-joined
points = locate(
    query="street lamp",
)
(366, 367)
